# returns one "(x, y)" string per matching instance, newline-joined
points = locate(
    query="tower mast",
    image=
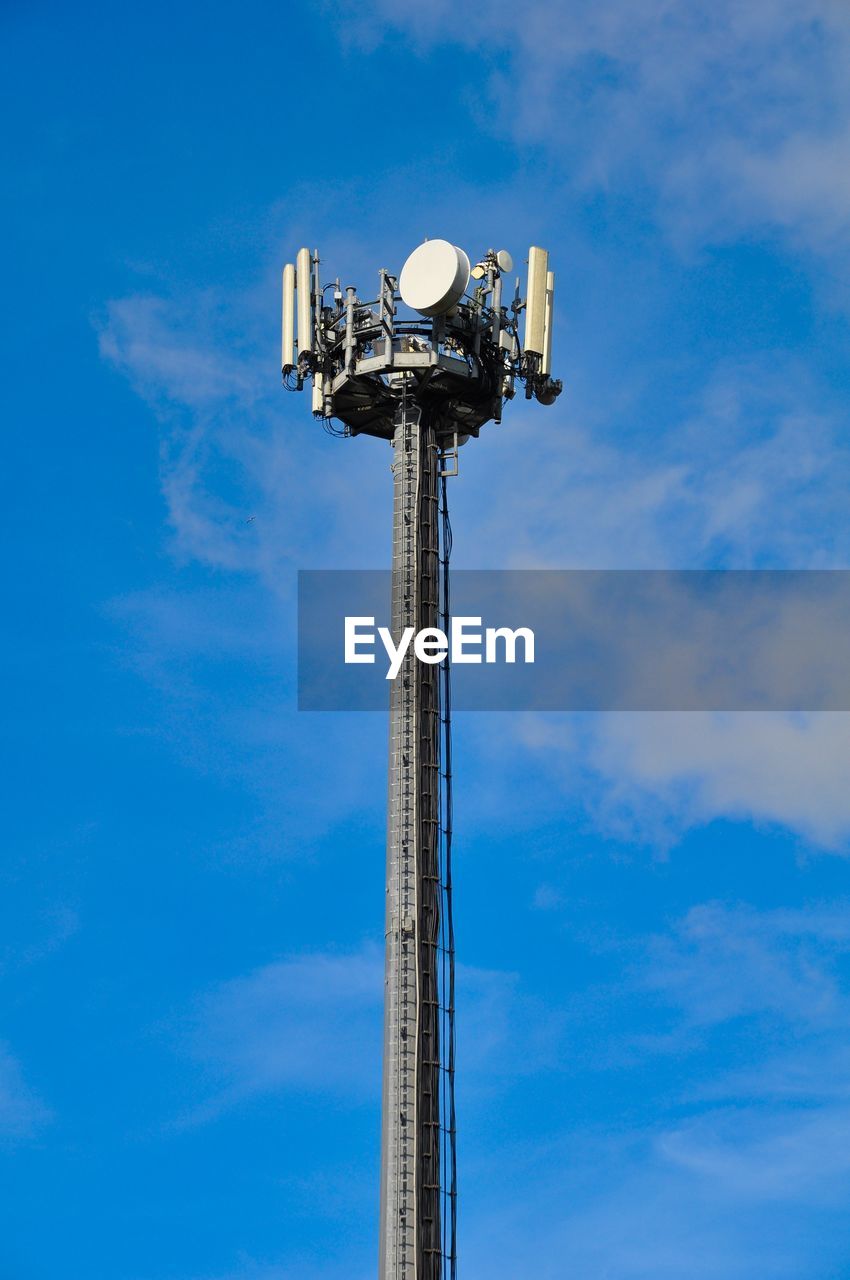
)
(411, 1236)
(426, 384)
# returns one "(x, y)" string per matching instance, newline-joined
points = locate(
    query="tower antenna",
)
(426, 382)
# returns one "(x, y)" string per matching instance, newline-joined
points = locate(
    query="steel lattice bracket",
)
(461, 355)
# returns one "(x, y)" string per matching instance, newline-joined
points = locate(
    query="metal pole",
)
(408, 385)
(411, 1238)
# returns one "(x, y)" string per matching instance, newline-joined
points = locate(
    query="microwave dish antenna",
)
(434, 278)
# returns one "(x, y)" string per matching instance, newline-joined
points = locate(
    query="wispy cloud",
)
(307, 1023)
(22, 1113)
(313, 1023)
(720, 962)
(732, 116)
(194, 367)
(796, 1155)
(241, 486)
(748, 471)
(695, 1189)
(637, 1211)
(207, 391)
(678, 770)
(754, 473)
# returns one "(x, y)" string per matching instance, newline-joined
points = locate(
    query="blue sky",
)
(652, 910)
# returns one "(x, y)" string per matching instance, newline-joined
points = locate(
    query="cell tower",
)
(426, 381)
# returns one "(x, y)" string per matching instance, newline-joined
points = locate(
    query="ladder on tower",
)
(418, 1144)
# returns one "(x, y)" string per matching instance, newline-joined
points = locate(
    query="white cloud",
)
(313, 1022)
(638, 1209)
(751, 473)
(750, 477)
(792, 1156)
(695, 767)
(739, 1169)
(719, 963)
(752, 470)
(733, 115)
(193, 367)
(650, 776)
(307, 1023)
(646, 778)
(245, 490)
(696, 1192)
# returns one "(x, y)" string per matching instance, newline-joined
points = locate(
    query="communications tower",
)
(425, 376)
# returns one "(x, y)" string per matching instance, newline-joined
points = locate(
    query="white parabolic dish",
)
(434, 277)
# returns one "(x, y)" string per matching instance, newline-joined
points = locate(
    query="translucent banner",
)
(590, 640)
